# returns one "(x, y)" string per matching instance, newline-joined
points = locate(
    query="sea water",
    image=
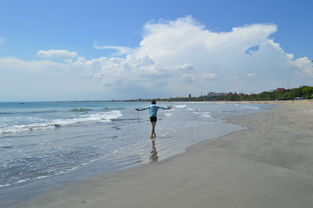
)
(45, 143)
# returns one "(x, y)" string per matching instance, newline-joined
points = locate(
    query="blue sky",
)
(27, 27)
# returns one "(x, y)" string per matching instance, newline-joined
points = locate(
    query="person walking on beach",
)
(153, 110)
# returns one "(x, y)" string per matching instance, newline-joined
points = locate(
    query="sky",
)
(114, 49)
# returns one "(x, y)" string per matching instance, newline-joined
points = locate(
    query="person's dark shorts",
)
(153, 119)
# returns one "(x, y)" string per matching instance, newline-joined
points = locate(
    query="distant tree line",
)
(303, 92)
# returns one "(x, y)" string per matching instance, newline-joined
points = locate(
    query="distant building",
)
(212, 94)
(189, 96)
(298, 98)
(280, 89)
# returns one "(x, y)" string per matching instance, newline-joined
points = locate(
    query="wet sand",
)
(270, 164)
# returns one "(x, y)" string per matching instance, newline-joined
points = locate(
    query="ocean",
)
(45, 144)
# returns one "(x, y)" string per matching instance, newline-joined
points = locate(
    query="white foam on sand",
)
(250, 107)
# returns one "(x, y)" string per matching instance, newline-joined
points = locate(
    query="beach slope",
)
(270, 164)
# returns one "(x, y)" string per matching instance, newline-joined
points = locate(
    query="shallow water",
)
(55, 142)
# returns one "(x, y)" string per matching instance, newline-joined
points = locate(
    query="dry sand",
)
(268, 165)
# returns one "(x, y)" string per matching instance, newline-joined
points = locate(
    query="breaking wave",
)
(249, 107)
(28, 112)
(180, 106)
(56, 123)
(81, 109)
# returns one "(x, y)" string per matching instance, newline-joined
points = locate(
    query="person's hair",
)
(153, 101)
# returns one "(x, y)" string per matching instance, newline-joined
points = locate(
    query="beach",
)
(268, 164)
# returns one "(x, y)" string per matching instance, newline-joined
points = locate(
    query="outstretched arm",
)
(138, 109)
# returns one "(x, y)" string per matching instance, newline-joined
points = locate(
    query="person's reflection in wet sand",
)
(154, 154)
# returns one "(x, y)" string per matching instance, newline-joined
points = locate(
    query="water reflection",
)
(154, 154)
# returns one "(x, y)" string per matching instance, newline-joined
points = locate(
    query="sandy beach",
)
(269, 164)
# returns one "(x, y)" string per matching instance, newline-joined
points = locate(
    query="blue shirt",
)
(153, 109)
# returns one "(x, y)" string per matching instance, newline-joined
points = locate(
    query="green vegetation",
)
(303, 92)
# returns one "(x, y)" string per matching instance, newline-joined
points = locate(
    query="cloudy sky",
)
(100, 50)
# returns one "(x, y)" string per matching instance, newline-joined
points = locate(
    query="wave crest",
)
(180, 106)
(87, 119)
(81, 109)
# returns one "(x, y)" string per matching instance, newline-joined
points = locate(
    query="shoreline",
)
(166, 147)
(267, 165)
(252, 102)
(165, 101)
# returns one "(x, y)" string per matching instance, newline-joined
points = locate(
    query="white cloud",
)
(13, 63)
(304, 64)
(174, 58)
(120, 50)
(208, 75)
(22, 80)
(184, 40)
(62, 54)
(251, 75)
(214, 58)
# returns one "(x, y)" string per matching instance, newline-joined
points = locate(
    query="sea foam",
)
(250, 107)
(89, 118)
(180, 106)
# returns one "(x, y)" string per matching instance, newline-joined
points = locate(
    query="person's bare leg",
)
(153, 130)
(154, 124)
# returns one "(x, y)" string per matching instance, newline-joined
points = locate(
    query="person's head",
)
(153, 101)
